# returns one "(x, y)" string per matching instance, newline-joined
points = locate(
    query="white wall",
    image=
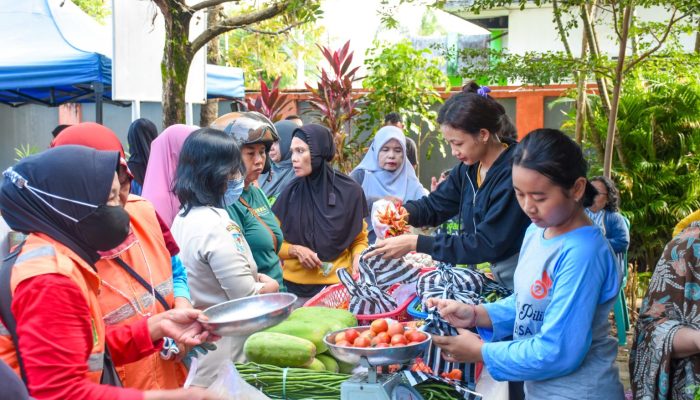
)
(533, 29)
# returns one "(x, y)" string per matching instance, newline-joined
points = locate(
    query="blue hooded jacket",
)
(492, 223)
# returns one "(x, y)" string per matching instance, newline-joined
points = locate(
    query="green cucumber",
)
(329, 362)
(311, 331)
(279, 349)
(324, 314)
(317, 365)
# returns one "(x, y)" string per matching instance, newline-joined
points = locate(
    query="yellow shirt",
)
(293, 271)
(695, 216)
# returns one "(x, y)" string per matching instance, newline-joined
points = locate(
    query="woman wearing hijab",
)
(160, 172)
(322, 215)
(136, 269)
(220, 265)
(141, 133)
(67, 201)
(281, 173)
(386, 171)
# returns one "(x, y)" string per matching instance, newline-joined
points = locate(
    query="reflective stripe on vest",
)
(146, 301)
(96, 362)
(43, 251)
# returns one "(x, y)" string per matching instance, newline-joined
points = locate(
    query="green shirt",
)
(257, 233)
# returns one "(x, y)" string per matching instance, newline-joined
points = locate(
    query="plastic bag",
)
(378, 207)
(230, 386)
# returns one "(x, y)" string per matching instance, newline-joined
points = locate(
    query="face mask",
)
(234, 188)
(106, 228)
(103, 229)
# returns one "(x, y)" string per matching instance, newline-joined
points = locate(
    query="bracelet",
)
(472, 323)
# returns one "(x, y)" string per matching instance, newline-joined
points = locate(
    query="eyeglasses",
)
(602, 194)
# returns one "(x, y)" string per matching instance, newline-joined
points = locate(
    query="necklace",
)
(133, 301)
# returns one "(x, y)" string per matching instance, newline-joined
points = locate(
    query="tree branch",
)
(238, 21)
(209, 3)
(292, 26)
(560, 28)
(615, 22)
(659, 43)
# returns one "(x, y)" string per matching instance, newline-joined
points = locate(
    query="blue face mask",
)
(234, 188)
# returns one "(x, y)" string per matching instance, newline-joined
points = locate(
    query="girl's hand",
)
(270, 285)
(395, 247)
(306, 256)
(458, 314)
(465, 347)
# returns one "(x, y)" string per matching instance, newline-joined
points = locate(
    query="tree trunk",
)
(612, 119)
(587, 18)
(175, 66)
(581, 95)
(210, 110)
(697, 39)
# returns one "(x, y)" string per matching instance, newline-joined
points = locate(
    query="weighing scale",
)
(370, 385)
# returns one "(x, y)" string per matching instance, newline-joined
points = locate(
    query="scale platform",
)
(370, 385)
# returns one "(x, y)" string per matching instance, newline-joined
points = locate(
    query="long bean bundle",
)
(306, 384)
(294, 383)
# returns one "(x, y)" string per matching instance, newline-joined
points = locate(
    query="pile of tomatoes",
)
(382, 333)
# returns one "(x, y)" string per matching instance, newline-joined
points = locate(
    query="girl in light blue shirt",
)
(565, 284)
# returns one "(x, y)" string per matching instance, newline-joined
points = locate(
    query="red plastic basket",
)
(337, 295)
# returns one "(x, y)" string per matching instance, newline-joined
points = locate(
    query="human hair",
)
(473, 109)
(613, 202)
(392, 118)
(58, 129)
(207, 158)
(554, 155)
(411, 151)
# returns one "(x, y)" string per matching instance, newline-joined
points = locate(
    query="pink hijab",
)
(160, 173)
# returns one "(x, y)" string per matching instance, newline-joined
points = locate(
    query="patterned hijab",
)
(672, 302)
(160, 172)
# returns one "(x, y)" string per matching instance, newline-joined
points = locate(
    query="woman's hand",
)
(356, 265)
(465, 347)
(181, 325)
(395, 247)
(306, 256)
(269, 285)
(193, 393)
(458, 314)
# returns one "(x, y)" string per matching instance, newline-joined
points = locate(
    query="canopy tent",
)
(54, 53)
(48, 58)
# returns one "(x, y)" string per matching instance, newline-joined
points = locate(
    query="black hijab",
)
(75, 172)
(323, 211)
(141, 134)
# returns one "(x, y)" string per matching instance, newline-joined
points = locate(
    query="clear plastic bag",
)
(230, 386)
(379, 207)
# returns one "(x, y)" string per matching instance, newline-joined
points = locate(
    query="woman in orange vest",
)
(141, 258)
(67, 200)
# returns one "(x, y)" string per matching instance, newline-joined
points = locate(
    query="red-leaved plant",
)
(271, 103)
(333, 97)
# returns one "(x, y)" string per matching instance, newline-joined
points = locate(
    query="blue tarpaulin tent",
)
(54, 53)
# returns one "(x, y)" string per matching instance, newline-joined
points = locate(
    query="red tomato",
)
(379, 325)
(398, 340)
(339, 337)
(381, 345)
(415, 336)
(395, 329)
(382, 337)
(351, 334)
(361, 341)
(343, 343)
(368, 333)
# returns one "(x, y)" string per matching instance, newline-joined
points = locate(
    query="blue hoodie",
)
(492, 223)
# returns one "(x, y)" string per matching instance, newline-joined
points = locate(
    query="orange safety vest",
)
(151, 372)
(43, 255)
